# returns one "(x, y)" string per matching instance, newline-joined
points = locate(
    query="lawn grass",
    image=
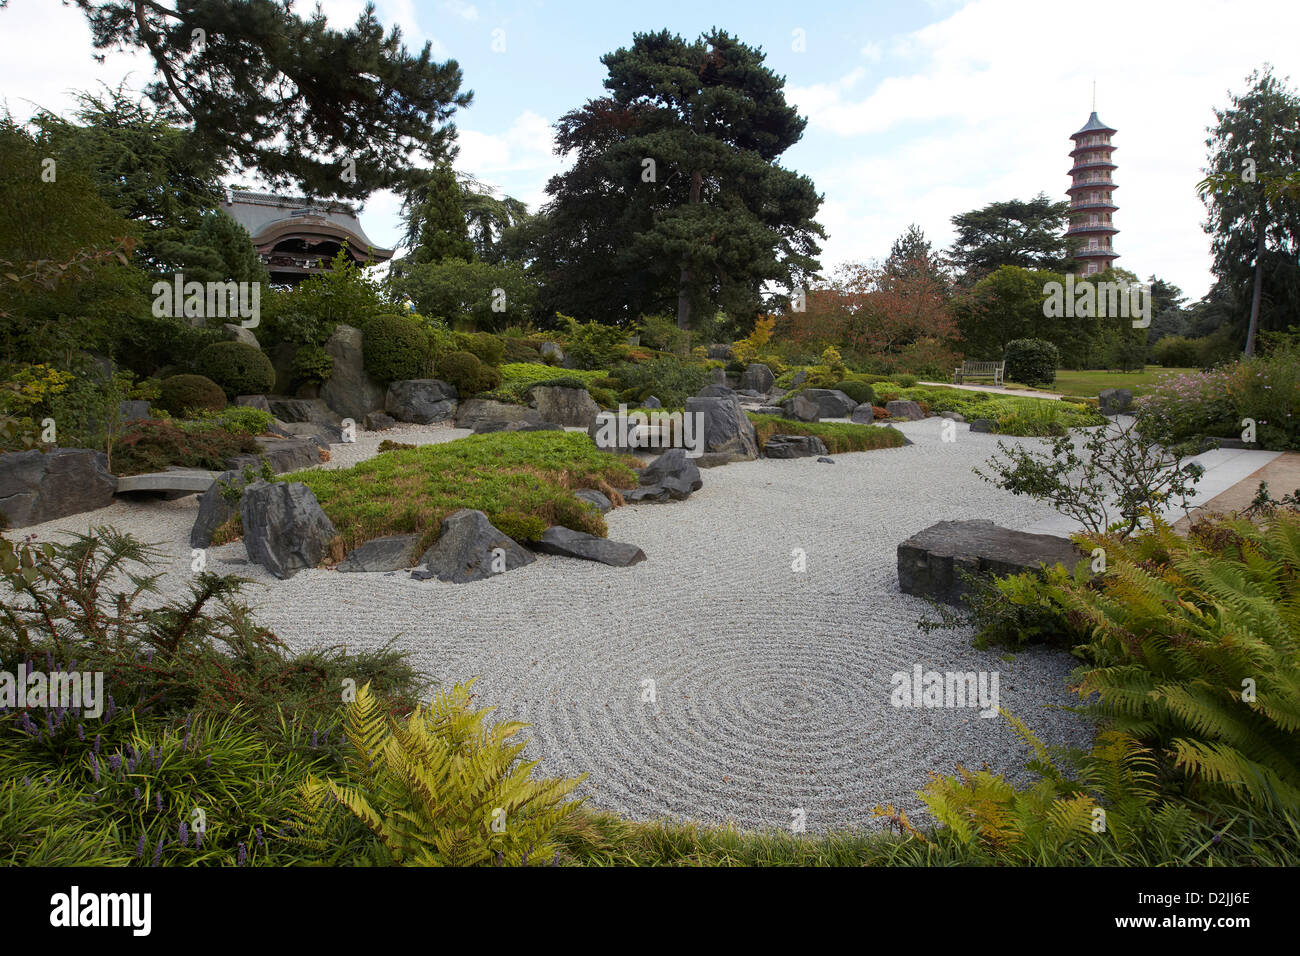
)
(1089, 383)
(839, 437)
(523, 482)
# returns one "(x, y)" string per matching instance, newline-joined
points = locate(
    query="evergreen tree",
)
(1254, 205)
(338, 113)
(1028, 235)
(436, 227)
(676, 195)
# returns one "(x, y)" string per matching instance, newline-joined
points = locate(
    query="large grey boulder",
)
(551, 353)
(864, 414)
(900, 408)
(237, 333)
(395, 552)
(674, 472)
(716, 391)
(349, 390)
(565, 406)
(578, 544)
(378, 422)
(757, 377)
(38, 486)
(421, 401)
(470, 413)
(801, 409)
(469, 548)
(794, 446)
(983, 426)
(728, 434)
(931, 563)
(285, 529)
(299, 410)
(214, 509)
(831, 402)
(1114, 401)
(283, 454)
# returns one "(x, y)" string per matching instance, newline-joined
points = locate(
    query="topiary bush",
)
(181, 393)
(1031, 362)
(312, 365)
(467, 373)
(394, 348)
(239, 368)
(486, 347)
(860, 392)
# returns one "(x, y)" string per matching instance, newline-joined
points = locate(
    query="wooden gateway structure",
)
(298, 237)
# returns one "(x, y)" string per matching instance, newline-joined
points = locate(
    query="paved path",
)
(998, 389)
(771, 687)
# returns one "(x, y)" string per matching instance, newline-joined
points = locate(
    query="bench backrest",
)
(981, 368)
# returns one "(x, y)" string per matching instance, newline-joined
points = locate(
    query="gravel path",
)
(772, 687)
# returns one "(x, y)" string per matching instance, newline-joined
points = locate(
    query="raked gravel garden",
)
(771, 686)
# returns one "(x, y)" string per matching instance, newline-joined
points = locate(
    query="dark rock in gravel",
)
(594, 497)
(391, 553)
(577, 544)
(794, 446)
(322, 434)
(728, 434)
(214, 510)
(983, 425)
(421, 401)
(291, 410)
(864, 414)
(37, 486)
(1114, 401)
(673, 464)
(827, 461)
(901, 408)
(931, 562)
(469, 548)
(830, 402)
(378, 422)
(285, 529)
(647, 494)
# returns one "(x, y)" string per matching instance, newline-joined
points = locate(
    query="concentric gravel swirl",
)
(771, 685)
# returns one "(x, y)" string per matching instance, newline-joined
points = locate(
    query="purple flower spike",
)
(184, 834)
(139, 847)
(157, 854)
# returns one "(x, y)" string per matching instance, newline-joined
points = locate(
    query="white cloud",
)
(990, 94)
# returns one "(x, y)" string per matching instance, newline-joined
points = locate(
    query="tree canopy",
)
(336, 112)
(1028, 235)
(675, 195)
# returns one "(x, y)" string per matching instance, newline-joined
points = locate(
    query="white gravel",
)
(772, 687)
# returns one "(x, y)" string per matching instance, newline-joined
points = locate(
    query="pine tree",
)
(436, 228)
(676, 195)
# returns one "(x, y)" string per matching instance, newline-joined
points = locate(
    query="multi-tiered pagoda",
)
(1092, 202)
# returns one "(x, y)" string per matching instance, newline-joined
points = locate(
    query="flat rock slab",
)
(593, 497)
(931, 562)
(392, 553)
(195, 481)
(38, 486)
(578, 544)
(794, 446)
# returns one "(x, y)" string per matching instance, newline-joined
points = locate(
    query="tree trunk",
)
(1257, 294)
(683, 293)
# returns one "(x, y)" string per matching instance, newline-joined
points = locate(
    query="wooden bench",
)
(991, 370)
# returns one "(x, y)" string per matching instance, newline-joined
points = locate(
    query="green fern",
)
(437, 789)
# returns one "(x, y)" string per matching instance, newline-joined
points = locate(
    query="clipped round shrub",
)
(239, 368)
(1031, 361)
(860, 392)
(486, 347)
(181, 393)
(467, 373)
(393, 348)
(1177, 351)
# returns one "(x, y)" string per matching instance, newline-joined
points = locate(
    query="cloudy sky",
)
(917, 111)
